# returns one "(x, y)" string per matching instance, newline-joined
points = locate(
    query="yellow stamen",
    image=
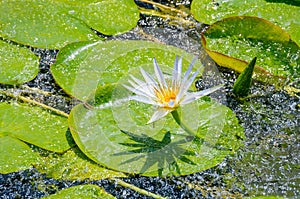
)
(166, 97)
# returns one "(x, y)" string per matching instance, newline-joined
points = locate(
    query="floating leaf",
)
(53, 24)
(117, 136)
(17, 64)
(81, 67)
(284, 13)
(41, 24)
(107, 16)
(266, 197)
(81, 191)
(15, 155)
(73, 165)
(231, 41)
(35, 126)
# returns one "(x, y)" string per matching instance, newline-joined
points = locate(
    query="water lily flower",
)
(166, 94)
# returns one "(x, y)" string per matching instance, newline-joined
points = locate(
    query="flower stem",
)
(164, 7)
(137, 189)
(30, 101)
(183, 125)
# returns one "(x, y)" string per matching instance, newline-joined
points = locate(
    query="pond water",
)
(268, 164)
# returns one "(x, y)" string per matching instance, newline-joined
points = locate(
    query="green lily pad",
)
(53, 24)
(81, 191)
(17, 64)
(73, 165)
(107, 16)
(117, 136)
(35, 126)
(15, 155)
(233, 40)
(82, 67)
(266, 197)
(284, 13)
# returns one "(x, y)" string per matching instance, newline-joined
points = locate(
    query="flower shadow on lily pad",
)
(164, 152)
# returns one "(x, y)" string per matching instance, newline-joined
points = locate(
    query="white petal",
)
(176, 64)
(133, 84)
(147, 77)
(137, 91)
(175, 71)
(196, 95)
(187, 73)
(137, 81)
(179, 71)
(190, 81)
(176, 74)
(186, 85)
(159, 74)
(143, 87)
(144, 100)
(158, 114)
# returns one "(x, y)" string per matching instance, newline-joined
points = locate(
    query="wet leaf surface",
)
(81, 191)
(35, 126)
(266, 197)
(233, 41)
(283, 13)
(53, 24)
(73, 165)
(15, 154)
(17, 64)
(118, 137)
(82, 67)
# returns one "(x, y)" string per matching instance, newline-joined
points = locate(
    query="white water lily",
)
(163, 94)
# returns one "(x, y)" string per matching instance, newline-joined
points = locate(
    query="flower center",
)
(167, 97)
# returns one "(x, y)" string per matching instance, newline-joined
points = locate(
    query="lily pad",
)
(82, 67)
(107, 16)
(53, 24)
(17, 64)
(81, 191)
(15, 155)
(266, 197)
(115, 134)
(283, 13)
(35, 126)
(73, 165)
(233, 40)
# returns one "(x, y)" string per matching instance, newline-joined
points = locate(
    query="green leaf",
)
(118, 137)
(53, 24)
(82, 67)
(242, 85)
(35, 126)
(81, 191)
(285, 15)
(266, 197)
(15, 155)
(107, 16)
(73, 165)
(114, 134)
(17, 64)
(231, 41)
(41, 24)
